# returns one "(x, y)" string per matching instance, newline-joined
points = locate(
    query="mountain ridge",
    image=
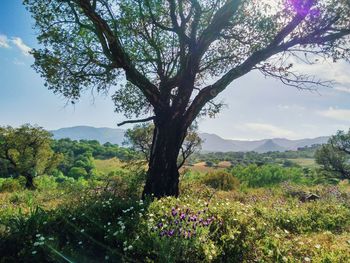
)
(212, 142)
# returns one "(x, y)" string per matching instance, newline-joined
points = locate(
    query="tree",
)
(27, 151)
(172, 58)
(141, 136)
(334, 157)
(140, 139)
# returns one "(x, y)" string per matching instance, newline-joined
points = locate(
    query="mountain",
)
(103, 135)
(212, 142)
(269, 146)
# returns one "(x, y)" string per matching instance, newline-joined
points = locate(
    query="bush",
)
(12, 185)
(44, 182)
(76, 172)
(268, 175)
(221, 180)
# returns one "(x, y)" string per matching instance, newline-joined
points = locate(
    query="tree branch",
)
(136, 121)
(120, 57)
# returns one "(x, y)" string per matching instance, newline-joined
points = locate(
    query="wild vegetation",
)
(88, 209)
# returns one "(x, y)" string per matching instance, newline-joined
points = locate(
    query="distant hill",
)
(103, 135)
(269, 146)
(212, 142)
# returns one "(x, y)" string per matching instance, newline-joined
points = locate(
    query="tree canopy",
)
(334, 157)
(169, 51)
(27, 151)
(170, 59)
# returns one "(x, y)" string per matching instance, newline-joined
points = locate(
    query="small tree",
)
(171, 58)
(27, 152)
(334, 157)
(140, 138)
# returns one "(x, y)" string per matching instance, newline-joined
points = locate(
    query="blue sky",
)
(256, 107)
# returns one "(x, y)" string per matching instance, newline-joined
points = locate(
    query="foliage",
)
(221, 180)
(11, 185)
(81, 153)
(245, 158)
(27, 151)
(268, 175)
(173, 58)
(230, 226)
(334, 156)
(140, 138)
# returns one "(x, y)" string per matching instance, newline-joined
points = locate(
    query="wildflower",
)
(42, 238)
(34, 252)
(80, 242)
(109, 223)
(130, 247)
(307, 259)
(82, 231)
(37, 235)
(36, 244)
(173, 212)
(182, 216)
(106, 257)
(171, 233)
(318, 246)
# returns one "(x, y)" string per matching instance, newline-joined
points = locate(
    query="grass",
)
(109, 165)
(305, 162)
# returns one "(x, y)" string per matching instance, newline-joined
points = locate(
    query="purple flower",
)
(174, 213)
(160, 225)
(171, 233)
(182, 216)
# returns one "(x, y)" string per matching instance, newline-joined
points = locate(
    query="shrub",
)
(44, 182)
(268, 175)
(221, 180)
(12, 185)
(76, 172)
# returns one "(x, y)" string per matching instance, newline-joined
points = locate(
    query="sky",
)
(256, 107)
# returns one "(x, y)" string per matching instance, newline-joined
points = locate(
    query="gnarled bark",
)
(163, 175)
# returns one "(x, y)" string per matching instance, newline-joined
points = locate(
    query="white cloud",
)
(328, 70)
(336, 114)
(293, 107)
(269, 130)
(343, 89)
(4, 42)
(21, 45)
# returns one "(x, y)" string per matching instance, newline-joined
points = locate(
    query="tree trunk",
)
(29, 182)
(163, 175)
